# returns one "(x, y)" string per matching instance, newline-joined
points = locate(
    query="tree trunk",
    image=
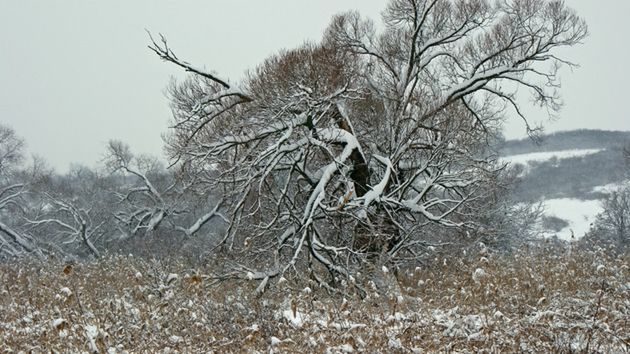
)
(360, 174)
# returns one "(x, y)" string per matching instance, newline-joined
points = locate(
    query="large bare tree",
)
(352, 146)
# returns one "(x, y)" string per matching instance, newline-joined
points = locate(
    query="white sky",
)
(76, 73)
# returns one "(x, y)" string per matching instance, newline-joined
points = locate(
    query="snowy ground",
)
(541, 299)
(547, 155)
(580, 214)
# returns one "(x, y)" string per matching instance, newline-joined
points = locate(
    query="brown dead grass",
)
(544, 299)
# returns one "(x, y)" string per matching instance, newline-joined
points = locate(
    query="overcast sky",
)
(76, 73)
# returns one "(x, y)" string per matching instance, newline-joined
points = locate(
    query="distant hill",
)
(571, 172)
(567, 140)
(573, 177)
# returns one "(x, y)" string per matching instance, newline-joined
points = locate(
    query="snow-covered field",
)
(547, 155)
(580, 214)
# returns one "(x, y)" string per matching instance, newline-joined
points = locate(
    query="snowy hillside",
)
(579, 214)
(570, 173)
(611, 187)
(548, 155)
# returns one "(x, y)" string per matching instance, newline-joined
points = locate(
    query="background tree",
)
(355, 145)
(612, 226)
(155, 202)
(64, 222)
(614, 222)
(146, 203)
(72, 214)
(13, 189)
(11, 150)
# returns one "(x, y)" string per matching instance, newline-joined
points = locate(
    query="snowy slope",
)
(545, 156)
(577, 167)
(611, 187)
(580, 214)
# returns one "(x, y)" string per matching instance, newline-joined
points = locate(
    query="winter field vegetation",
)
(540, 299)
(348, 195)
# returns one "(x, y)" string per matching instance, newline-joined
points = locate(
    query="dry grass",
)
(547, 299)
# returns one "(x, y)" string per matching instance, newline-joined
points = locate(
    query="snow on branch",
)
(165, 53)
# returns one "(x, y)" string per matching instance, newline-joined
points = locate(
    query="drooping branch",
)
(66, 220)
(204, 219)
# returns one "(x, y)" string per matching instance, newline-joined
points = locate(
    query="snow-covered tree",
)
(154, 197)
(352, 146)
(146, 205)
(13, 242)
(613, 223)
(66, 223)
(11, 150)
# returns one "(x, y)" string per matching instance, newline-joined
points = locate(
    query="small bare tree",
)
(147, 205)
(13, 242)
(65, 223)
(614, 221)
(354, 145)
(11, 150)
(156, 196)
(10, 198)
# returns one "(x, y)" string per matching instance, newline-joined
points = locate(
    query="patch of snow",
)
(346, 325)
(580, 214)
(344, 348)
(457, 325)
(171, 278)
(524, 159)
(91, 333)
(66, 292)
(475, 337)
(295, 318)
(611, 187)
(396, 317)
(498, 315)
(59, 323)
(395, 343)
(478, 274)
(275, 341)
(175, 339)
